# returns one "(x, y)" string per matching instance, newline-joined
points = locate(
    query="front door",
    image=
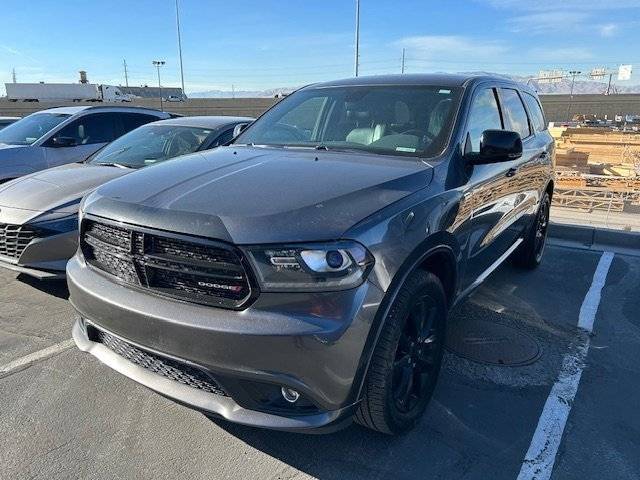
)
(90, 133)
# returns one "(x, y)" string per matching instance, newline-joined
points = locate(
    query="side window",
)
(131, 121)
(223, 138)
(514, 112)
(305, 116)
(537, 117)
(484, 115)
(90, 129)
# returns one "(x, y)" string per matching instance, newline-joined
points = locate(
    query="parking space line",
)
(540, 458)
(28, 360)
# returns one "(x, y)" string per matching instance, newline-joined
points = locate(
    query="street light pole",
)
(357, 52)
(402, 68)
(179, 47)
(573, 74)
(158, 64)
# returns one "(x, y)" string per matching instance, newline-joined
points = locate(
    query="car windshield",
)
(31, 128)
(395, 120)
(152, 144)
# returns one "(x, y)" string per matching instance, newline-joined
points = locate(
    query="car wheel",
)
(529, 254)
(406, 360)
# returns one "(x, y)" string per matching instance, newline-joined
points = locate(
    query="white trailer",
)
(64, 92)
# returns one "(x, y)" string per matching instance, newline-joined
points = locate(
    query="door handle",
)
(512, 171)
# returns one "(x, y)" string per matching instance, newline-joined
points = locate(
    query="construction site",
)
(598, 175)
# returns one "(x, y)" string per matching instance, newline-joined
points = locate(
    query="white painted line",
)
(34, 357)
(592, 300)
(541, 456)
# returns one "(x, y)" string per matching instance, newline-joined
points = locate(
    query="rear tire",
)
(407, 358)
(530, 252)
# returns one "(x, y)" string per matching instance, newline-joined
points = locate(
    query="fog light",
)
(289, 395)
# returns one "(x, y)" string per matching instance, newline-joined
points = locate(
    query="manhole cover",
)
(491, 343)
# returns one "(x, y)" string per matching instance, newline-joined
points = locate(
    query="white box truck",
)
(64, 92)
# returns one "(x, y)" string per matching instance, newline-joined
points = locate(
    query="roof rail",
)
(119, 105)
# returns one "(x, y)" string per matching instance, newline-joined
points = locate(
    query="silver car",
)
(6, 121)
(38, 212)
(58, 136)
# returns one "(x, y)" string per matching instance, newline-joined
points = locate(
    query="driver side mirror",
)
(64, 142)
(239, 128)
(497, 146)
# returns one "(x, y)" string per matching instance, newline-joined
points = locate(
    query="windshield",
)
(31, 128)
(397, 120)
(151, 144)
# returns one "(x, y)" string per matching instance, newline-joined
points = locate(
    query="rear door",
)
(524, 184)
(90, 132)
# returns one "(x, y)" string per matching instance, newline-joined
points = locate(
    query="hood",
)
(260, 195)
(4, 146)
(56, 189)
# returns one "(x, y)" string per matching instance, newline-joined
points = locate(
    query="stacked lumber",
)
(603, 146)
(573, 159)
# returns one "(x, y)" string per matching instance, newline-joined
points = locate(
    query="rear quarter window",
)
(535, 110)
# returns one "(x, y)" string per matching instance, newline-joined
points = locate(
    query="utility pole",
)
(357, 56)
(573, 74)
(158, 64)
(13, 75)
(233, 91)
(402, 68)
(126, 74)
(609, 84)
(179, 47)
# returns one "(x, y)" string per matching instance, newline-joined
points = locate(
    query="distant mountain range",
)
(241, 93)
(562, 87)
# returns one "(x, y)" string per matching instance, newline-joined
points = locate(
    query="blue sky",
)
(255, 44)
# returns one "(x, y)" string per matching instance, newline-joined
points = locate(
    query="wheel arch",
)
(440, 255)
(549, 188)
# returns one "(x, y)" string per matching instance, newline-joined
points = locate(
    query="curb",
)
(593, 238)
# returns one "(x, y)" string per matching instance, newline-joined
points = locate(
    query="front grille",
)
(14, 239)
(183, 373)
(206, 272)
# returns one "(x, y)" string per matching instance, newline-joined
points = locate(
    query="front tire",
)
(529, 254)
(407, 358)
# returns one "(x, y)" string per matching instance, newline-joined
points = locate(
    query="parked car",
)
(39, 212)
(301, 276)
(62, 135)
(6, 121)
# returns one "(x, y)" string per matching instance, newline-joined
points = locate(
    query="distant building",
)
(152, 92)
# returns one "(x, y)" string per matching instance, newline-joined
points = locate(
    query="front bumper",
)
(44, 258)
(310, 342)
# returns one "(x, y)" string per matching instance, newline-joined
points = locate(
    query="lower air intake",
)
(173, 370)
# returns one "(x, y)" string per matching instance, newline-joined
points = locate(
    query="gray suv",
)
(63, 135)
(301, 276)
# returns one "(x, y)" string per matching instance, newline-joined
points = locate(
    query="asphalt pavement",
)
(65, 415)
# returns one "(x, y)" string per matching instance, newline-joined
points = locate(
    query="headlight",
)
(60, 225)
(312, 267)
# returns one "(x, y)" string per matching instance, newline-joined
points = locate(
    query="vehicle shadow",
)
(479, 420)
(351, 453)
(55, 288)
